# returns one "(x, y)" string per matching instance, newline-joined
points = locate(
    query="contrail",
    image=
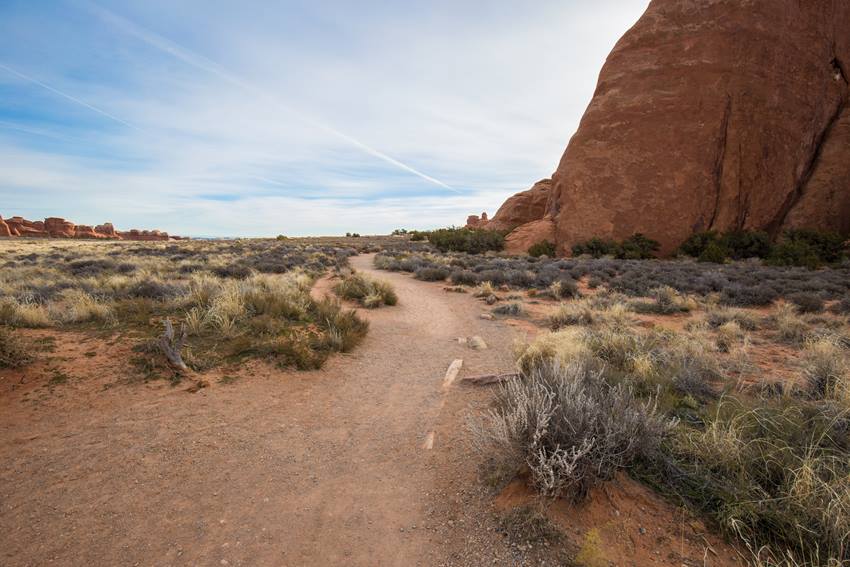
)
(67, 96)
(201, 62)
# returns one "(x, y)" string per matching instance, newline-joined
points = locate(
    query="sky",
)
(316, 117)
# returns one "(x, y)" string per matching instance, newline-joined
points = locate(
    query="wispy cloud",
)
(479, 96)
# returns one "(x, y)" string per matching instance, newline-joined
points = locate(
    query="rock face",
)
(523, 207)
(55, 227)
(714, 115)
(106, 230)
(529, 234)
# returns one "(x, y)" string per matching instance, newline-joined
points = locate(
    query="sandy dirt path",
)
(277, 468)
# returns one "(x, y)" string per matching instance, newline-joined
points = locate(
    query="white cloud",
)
(482, 96)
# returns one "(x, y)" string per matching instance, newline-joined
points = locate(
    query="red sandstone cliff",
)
(731, 114)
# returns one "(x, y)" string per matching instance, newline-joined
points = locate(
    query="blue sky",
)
(225, 118)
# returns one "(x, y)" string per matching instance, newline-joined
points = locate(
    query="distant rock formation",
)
(719, 115)
(55, 227)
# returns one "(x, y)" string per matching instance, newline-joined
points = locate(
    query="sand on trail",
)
(276, 468)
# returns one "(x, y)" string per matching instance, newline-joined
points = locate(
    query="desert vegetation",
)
(748, 283)
(235, 299)
(759, 449)
(369, 292)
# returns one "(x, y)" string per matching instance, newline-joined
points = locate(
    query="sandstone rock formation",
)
(523, 207)
(524, 237)
(721, 115)
(106, 230)
(474, 221)
(55, 227)
(59, 228)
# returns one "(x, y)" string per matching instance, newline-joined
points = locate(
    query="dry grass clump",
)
(568, 428)
(827, 371)
(589, 311)
(789, 324)
(716, 317)
(775, 475)
(368, 292)
(665, 301)
(13, 352)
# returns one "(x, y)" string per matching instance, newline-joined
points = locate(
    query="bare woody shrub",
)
(568, 428)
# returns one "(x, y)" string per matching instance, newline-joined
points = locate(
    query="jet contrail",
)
(201, 62)
(69, 97)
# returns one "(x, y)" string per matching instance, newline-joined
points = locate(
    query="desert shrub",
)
(564, 289)
(794, 253)
(509, 309)
(464, 277)
(235, 271)
(713, 247)
(153, 289)
(343, 328)
(418, 236)
(577, 313)
(741, 244)
(666, 301)
(568, 428)
(828, 246)
(775, 475)
(432, 274)
(790, 326)
(637, 247)
(719, 316)
(472, 241)
(696, 244)
(842, 306)
(13, 352)
(826, 370)
(714, 253)
(757, 295)
(595, 247)
(368, 292)
(806, 302)
(24, 314)
(544, 248)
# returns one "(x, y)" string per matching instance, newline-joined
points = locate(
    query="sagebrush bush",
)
(806, 302)
(568, 428)
(432, 274)
(13, 352)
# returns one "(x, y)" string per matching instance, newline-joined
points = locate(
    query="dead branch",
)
(487, 379)
(172, 347)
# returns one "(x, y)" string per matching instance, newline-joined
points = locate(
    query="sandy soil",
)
(269, 467)
(274, 468)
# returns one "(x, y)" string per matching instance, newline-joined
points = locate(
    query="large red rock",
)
(5, 231)
(59, 228)
(144, 235)
(518, 241)
(714, 115)
(523, 207)
(88, 232)
(107, 230)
